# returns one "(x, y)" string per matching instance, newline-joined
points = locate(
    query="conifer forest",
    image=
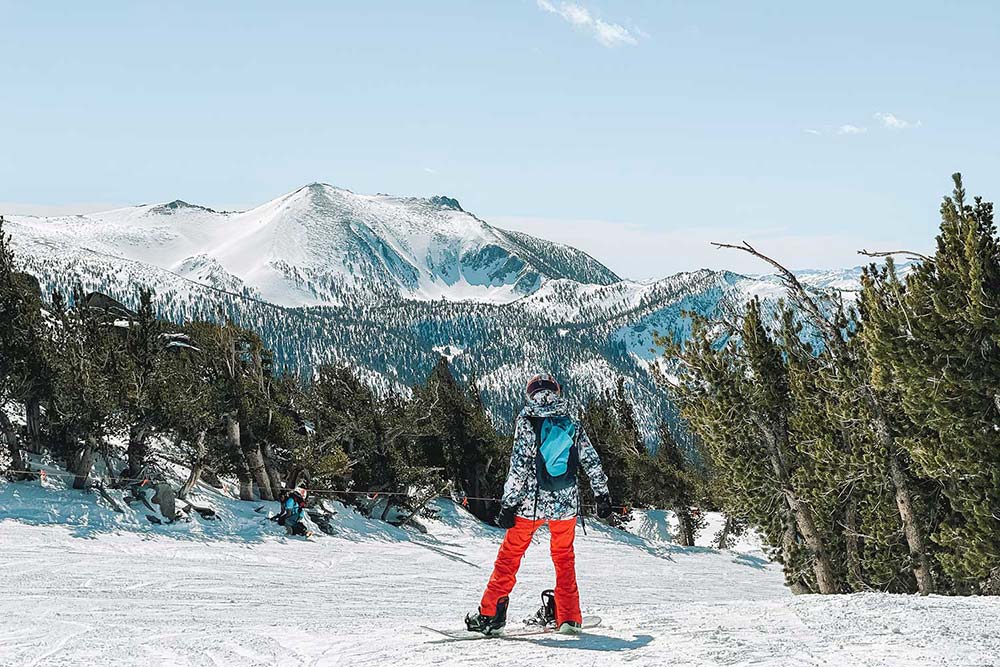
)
(857, 432)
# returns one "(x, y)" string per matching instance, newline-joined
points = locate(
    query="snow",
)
(300, 249)
(449, 352)
(83, 585)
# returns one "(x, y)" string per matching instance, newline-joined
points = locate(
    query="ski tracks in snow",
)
(124, 598)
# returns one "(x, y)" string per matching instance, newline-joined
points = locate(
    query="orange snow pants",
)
(515, 543)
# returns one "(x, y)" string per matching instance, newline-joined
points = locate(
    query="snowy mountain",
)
(389, 284)
(310, 246)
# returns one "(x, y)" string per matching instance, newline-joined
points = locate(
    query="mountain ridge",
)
(308, 245)
(384, 284)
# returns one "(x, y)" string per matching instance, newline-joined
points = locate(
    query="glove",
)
(603, 506)
(506, 517)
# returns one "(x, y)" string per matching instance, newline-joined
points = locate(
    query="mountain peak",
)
(446, 202)
(176, 206)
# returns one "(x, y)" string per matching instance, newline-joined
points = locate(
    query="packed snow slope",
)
(83, 585)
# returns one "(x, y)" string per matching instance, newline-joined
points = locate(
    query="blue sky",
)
(637, 130)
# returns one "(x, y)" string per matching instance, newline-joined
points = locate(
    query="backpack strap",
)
(536, 426)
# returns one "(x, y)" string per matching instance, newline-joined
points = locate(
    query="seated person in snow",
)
(541, 488)
(292, 506)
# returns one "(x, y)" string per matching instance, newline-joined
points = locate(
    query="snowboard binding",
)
(489, 625)
(546, 614)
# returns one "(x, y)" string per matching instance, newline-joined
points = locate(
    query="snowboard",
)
(526, 631)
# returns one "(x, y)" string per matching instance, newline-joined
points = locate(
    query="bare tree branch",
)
(889, 253)
(800, 295)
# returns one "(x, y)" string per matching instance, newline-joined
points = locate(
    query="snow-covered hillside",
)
(385, 284)
(83, 585)
(306, 247)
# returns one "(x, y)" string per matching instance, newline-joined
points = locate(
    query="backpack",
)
(557, 457)
(295, 512)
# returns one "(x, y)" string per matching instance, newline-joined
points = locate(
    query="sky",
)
(636, 130)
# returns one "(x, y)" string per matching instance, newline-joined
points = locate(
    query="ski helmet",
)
(302, 491)
(540, 382)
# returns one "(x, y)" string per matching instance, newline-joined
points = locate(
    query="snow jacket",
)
(291, 510)
(521, 489)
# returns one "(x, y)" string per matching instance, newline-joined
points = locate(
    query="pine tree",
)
(234, 364)
(461, 442)
(670, 481)
(611, 426)
(22, 370)
(348, 423)
(738, 400)
(880, 416)
(187, 411)
(141, 378)
(85, 354)
(937, 337)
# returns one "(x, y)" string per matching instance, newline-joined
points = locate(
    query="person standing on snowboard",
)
(541, 488)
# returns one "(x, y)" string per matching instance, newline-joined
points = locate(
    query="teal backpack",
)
(557, 458)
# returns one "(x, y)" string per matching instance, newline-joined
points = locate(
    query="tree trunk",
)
(789, 545)
(17, 459)
(84, 462)
(138, 436)
(911, 526)
(822, 567)
(388, 506)
(272, 472)
(33, 419)
(904, 498)
(852, 538)
(197, 465)
(293, 475)
(776, 437)
(255, 463)
(685, 526)
(246, 481)
(724, 533)
(242, 471)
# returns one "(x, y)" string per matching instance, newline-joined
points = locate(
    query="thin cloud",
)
(643, 253)
(894, 122)
(810, 130)
(45, 210)
(607, 34)
(851, 129)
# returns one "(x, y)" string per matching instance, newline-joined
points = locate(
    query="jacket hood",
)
(546, 403)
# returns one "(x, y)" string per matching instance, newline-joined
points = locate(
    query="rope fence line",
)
(372, 495)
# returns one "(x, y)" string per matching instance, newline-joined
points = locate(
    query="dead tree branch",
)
(889, 253)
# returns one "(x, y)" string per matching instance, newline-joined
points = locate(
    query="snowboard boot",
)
(489, 625)
(570, 628)
(546, 614)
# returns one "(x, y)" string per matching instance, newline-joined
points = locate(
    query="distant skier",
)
(292, 508)
(541, 488)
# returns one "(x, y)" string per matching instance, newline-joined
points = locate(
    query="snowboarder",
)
(541, 488)
(292, 506)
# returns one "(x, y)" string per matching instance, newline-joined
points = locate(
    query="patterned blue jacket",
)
(522, 486)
